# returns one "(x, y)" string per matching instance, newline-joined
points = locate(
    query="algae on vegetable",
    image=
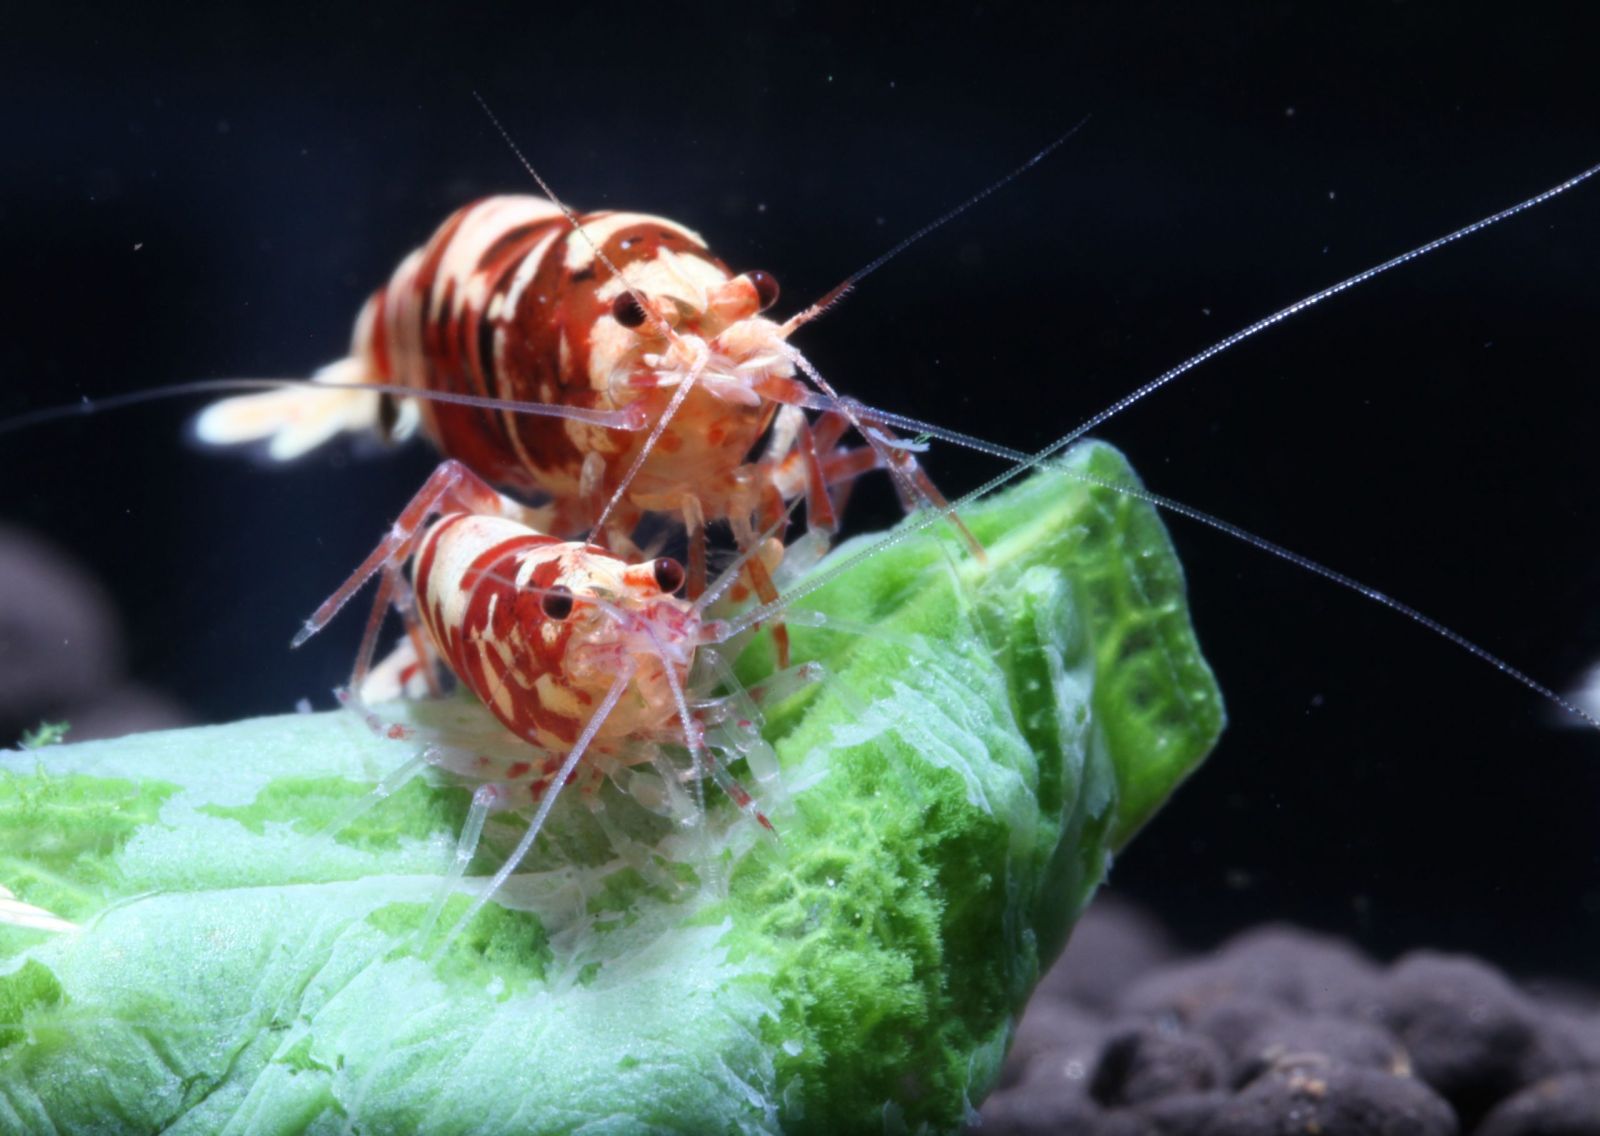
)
(950, 800)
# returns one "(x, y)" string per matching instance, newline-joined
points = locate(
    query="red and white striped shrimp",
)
(613, 322)
(587, 659)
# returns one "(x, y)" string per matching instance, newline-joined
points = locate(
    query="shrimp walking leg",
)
(484, 800)
(568, 767)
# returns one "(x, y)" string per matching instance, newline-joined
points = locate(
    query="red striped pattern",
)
(481, 583)
(504, 301)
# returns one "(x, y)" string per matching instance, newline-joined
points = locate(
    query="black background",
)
(215, 196)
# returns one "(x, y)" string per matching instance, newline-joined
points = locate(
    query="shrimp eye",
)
(766, 288)
(669, 574)
(557, 603)
(627, 310)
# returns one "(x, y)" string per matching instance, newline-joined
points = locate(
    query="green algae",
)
(954, 791)
(312, 804)
(30, 988)
(62, 833)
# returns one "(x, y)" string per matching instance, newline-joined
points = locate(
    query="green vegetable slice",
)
(951, 795)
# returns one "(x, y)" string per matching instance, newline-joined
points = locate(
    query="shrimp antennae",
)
(894, 458)
(1300, 560)
(661, 325)
(848, 406)
(623, 419)
(912, 489)
(829, 402)
(1310, 301)
(840, 290)
(1026, 462)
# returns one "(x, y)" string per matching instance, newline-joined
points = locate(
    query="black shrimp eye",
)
(766, 288)
(669, 574)
(557, 602)
(627, 310)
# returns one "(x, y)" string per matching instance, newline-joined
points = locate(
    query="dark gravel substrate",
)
(1280, 1031)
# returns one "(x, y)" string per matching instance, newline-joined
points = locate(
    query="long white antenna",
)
(841, 289)
(1025, 462)
(625, 418)
(661, 325)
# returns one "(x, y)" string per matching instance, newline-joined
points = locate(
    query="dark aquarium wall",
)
(216, 195)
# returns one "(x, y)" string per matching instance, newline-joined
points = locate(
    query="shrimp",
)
(611, 322)
(584, 657)
(1277, 648)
